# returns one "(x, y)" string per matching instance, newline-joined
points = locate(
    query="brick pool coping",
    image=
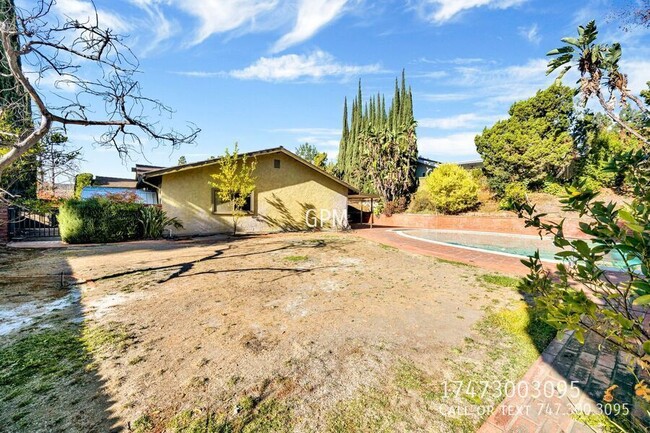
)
(491, 261)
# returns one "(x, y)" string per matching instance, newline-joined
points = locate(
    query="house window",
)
(276, 163)
(222, 207)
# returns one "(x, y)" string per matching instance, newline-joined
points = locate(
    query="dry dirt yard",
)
(296, 332)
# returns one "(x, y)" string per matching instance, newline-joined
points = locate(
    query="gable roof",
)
(178, 168)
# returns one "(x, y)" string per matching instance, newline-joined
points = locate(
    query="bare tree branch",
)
(92, 62)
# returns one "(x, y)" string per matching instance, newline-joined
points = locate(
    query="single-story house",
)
(290, 194)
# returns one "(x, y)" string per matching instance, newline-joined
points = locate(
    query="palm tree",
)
(599, 70)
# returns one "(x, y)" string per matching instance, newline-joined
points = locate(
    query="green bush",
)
(420, 202)
(514, 196)
(451, 189)
(98, 220)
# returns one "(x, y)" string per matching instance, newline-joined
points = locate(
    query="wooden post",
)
(372, 212)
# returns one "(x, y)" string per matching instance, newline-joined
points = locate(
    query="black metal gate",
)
(25, 224)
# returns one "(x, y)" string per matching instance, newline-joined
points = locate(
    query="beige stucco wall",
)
(280, 199)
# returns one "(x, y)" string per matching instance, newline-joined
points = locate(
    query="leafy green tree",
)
(307, 152)
(600, 76)
(182, 160)
(57, 161)
(234, 182)
(533, 144)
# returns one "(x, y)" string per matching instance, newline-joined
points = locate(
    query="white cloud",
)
(498, 85)
(531, 34)
(440, 11)
(454, 146)
(443, 97)
(85, 11)
(316, 65)
(461, 121)
(219, 16)
(312, 16)
(325, 139)
(637, 74)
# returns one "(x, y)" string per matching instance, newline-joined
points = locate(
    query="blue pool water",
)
(520, 246)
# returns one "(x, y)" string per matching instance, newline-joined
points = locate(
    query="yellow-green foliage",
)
(514, 196)
(450, 189)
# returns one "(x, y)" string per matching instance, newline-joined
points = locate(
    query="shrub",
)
(514, 196)
(554, 188)
(154, 220)
(420, 202)
(451, 189)
(98, 220)
(80, 181)
(395, 206)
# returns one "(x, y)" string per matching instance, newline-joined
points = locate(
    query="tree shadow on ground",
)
(184, 268)
(48, 376)
(287, 221)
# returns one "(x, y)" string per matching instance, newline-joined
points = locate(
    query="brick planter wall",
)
(483, 223)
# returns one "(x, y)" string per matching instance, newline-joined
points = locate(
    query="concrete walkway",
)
(493, 262)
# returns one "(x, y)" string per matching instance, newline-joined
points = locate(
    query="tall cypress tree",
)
(373, 114)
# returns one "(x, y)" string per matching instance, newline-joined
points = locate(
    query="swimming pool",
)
(511, 245)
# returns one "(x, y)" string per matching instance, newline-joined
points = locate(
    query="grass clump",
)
(371, 411)
(267, 416)
(143, 424)
(114, 335)
(296, 259)
(500, 280)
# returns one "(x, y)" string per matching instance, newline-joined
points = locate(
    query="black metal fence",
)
(27, 224)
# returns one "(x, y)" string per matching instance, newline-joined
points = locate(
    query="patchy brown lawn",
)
(301, 332)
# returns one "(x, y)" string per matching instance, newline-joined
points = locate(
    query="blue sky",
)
(267, 73)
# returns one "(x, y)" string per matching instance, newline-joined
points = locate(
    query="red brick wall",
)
(4, 223)
(483, 223)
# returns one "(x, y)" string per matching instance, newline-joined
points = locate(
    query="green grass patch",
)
(371, 411)
(38, 359)
(500, 280)
(267, 416)
(455, 263)
(114, 336)
(388, 247)
(296, 259)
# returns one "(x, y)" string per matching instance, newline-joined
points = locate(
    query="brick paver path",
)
(494, 262)
(571, 378)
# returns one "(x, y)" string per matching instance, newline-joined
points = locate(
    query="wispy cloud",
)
(325, 139)
(443, 97)
(316, 65)
(441, 11)
(460, 121)
(450, 146)
(219, 16)
(312, 16)
(531, 34)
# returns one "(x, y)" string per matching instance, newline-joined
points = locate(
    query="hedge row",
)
(98, 220)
